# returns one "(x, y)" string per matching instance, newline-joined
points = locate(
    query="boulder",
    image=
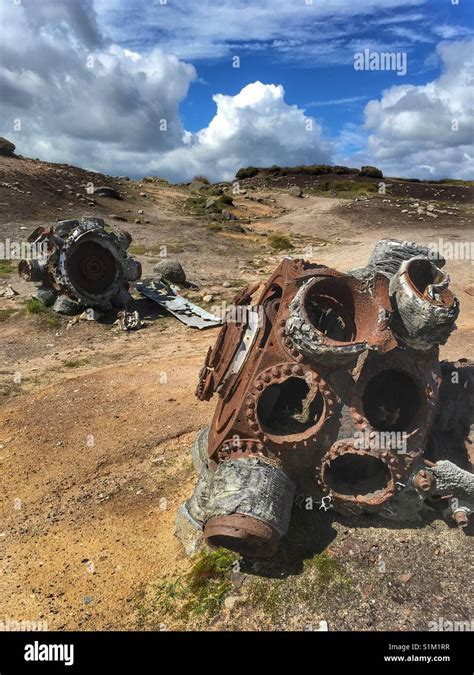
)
(171, 270)
(295, 191)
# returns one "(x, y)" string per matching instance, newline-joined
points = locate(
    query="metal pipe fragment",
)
(425, 309)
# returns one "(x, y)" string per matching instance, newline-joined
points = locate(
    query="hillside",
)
(88, 537)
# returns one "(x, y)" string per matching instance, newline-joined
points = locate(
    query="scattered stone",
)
(295, 191)
(405, 578)
(105, 191)
(210, 202)
(8, 292)
(64, 305)
(137, 221)
(142, 194)
(198, 185)
(140, 212)
(114, 216)
(208, 298)
(170, 270)
(226, 284)
(228, 215)
(232, 601)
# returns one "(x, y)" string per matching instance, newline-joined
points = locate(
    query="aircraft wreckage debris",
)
(330, 388)
(166, 295)
(82, 265)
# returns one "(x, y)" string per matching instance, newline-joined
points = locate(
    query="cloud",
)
(70, 88)
(256, 126)
(77, 95)
(80, 98)
(427, 129)
(336, 101)
(297, 31)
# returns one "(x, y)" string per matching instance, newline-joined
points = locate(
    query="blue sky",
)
(174, 59)
(317, 69)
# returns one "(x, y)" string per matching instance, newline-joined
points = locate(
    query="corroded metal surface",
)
(335, 387)
(83, 264)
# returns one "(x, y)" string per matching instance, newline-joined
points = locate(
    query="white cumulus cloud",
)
(256, 126)
(71, 95)
(427, 130)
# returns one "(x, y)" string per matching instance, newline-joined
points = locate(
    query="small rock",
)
(114, 216)
(140, 212)
(105, 191)
(228, 215)
(8, 292)
(231, 602)
(142, 194)
(197, 185)
(171, 270)
(210, 202)
(64, 305)
(405, 578)
(226, 284)
(295, 191)
(208, 298)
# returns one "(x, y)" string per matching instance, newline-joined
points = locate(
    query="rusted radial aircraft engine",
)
(326, 387)
(81, 265)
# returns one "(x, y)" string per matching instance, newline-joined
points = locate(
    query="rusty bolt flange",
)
(357, 480)
(242, 534)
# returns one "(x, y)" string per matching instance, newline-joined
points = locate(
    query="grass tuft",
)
(280, 241)
(196, 595)
(6, 268)
(34, 306)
